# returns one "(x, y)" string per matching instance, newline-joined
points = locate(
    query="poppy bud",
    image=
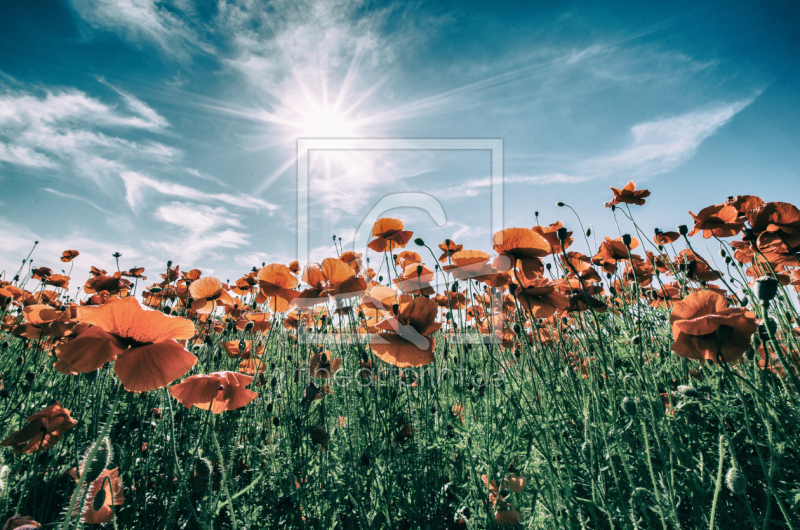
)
(380, 278)
(169, 264)
(155, 290)
(683, 230)
(609, 275)
(629, 407)
(588, 232)
(276, 422)
(548, 266)
(249, 325)
(448, 315)
(99, 499)
(559, 204)
(167, 310)
(517, 329)
(454, 287)
(635, 340)
(419, 242)
(766, 287)
(736, 481)
(612, 290)
(562, 234)
(728, 260)
(626, 240)
(395, 309)
(419, 270)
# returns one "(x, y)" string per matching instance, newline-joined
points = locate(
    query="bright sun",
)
(326, 122)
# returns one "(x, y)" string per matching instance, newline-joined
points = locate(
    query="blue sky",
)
(167, 130)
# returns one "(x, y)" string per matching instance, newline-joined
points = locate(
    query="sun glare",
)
(324, 122)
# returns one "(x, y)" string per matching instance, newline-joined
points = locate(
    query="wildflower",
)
(389, 234)
(629, 195)
(550, 233)
(69, 255)
(720, 220)
(142, 343)
(104, 492)
(405, 341)
(703, 326)
(208, 293)
(21, 522)
(524, 246)
(219, 391)
(277, 286)
(44, 430)
(323, 365)
(540, 298)
(448, 248)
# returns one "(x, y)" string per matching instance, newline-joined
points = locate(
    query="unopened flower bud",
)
(419, 242)
(560, 204)
(629, 407)
(562, 234)
(736, 481)
(683, 230)
(626, 239)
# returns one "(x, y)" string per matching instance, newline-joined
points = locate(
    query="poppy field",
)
(652, 383)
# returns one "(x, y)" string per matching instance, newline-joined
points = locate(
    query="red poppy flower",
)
(550, 233)
(69, 255)
(719, 220)
(140, 341)
(664, 238)
(208, 293)
(524, 246)
(702, 324)
(448, 248)
(104, 492)
(43, 431)
(405, 341)
(540, 298)
(219, 391)
(323, 365)
(628, 195)
(277, 285)
(389, 234)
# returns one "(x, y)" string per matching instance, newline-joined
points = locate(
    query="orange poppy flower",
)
(219, 391)
(407, 342)
(389, 234)
(696, 269)
(540, 298)
(114, 284)
(140, 341)
(524, 246)
(277, 285)
(43, 431)
(416, 279)
(21, 522)
(69, 255)
(744, 204)
(135, 272)
(352, 259)
(323, 365)
(245, 284)
(628, 195)
(206, 291)
(104, 492)
(702, 323)
(44, 321)
(252, 366)
(341, 278)
(406, 258)
(448, 248)
(719, 220)
(451, 300)
(261, 322)
(664, 238)
(550, 233)
(294, 267)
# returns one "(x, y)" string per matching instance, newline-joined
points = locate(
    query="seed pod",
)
(626, 239)
(559, 204)
(249, 326)
(419, 242)
(562, 233)
(276, 422)
(683, 230)
(766, 287)
(736, 481)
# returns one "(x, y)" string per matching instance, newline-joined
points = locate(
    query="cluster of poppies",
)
(512, 297)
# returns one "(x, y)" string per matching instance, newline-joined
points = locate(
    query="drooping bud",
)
(99, 499)
(419, 242)
(736, 481)
(629, 407)
(560, 204)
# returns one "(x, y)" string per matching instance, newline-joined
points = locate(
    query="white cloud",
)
(78, 134)
(662, 145)
(136, 184)
(141, 21)
(201, 231)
